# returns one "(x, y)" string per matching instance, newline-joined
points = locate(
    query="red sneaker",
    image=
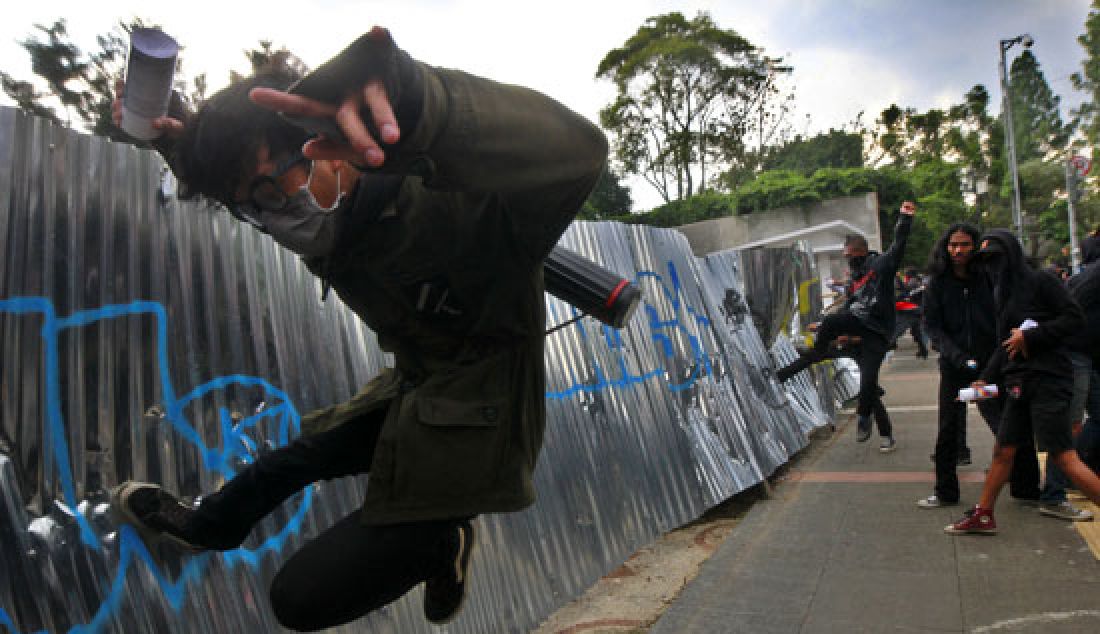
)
(977, 521)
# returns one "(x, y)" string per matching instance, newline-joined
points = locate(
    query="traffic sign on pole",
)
(1081, 165)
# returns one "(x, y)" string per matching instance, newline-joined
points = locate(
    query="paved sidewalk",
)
(842, 547)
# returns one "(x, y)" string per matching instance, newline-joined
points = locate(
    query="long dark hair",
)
(939, 262)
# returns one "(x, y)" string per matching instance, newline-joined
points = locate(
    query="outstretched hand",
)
(370, 100)
(361, 146)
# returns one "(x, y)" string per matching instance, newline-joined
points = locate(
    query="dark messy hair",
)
(938, 259)
(855, 240)
(218, 148)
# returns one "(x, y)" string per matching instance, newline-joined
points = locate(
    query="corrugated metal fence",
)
(147, 338)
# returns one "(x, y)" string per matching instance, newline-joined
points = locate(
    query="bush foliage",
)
(933, 185)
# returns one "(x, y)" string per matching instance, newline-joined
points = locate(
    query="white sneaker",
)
(933, 502)
(888, 444)
(1066, 511)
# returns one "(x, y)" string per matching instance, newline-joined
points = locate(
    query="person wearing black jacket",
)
(1031, 366)
(909, 288)
(868, 314)
(1084, 353)
(959, 319)
(1086, 287)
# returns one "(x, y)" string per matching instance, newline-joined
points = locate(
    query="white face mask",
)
(303, 225)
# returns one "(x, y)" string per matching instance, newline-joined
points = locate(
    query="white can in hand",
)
(149, 73)
(977, 393)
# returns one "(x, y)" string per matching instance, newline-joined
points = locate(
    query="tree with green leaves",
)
(1037, 121)
(907, 136)
(1087, 79)
(79, 87)
(835, 148)
(63, 68)
(610, 199)
(689, 93)
(78, 84)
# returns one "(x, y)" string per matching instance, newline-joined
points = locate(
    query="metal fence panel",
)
(148, 338)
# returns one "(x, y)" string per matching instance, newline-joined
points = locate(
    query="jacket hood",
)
(1014, 281)
(1003, 241)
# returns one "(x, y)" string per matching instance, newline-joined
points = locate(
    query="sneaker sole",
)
(150, 536)
(937, 505)
(1062, 516)
(951, 530)
(890, 449)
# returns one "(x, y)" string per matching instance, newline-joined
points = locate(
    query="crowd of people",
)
(1024, 341)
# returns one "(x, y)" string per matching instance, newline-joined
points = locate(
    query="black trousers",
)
(1024, 479)
(952, 431)
(349, 569)
(909, 321)
(868, 356)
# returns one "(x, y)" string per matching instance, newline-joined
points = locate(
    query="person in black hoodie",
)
(868, 314)
(959, 319)
(1084, 353)
(1085, 286)
(1035, 316)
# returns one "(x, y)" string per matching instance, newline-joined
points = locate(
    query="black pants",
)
(917, 332)
(911, 321)
(868, 356)
(1024, 479)
(951, 435)
(348, 570)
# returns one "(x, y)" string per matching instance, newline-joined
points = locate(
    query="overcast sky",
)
(848, 55)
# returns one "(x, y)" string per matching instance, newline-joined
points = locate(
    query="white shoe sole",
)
(151, 536)
(1062, 516)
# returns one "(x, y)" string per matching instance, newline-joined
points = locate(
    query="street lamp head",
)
(1024, 39)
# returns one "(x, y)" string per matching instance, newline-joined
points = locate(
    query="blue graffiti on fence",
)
(236, 446)
(683, 322)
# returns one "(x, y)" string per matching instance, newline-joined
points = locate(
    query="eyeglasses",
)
(265, 194)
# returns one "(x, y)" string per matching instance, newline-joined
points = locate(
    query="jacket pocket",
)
(453, 435)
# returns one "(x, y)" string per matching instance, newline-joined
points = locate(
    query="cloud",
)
(848, 55)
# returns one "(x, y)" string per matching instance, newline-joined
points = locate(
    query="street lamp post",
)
(1010, 131)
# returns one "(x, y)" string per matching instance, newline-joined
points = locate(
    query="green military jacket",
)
(449, 276)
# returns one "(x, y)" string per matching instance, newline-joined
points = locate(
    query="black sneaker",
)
(156, 514)
(863, 428)
(445, 593)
